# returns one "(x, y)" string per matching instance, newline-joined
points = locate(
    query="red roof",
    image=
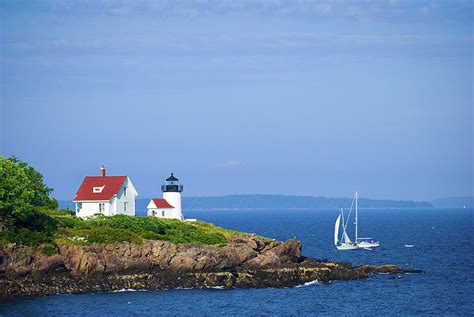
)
(161, 203)
(111, 186)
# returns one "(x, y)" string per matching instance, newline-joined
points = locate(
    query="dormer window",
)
(97, 190)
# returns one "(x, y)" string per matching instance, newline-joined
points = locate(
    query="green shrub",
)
(68, 222)
(111, 235)
(34, 219)
(49, 249)
(26, 236)
(211, 238)
(58, 212)
(136, 224)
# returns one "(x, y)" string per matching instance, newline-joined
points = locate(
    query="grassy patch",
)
(102, 229)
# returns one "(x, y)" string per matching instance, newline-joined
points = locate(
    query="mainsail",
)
(336, 229)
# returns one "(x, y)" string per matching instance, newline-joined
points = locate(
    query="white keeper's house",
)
(107, 195)
(170, 205)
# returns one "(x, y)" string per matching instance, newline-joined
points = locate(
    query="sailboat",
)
(363, 243)
(345, 243)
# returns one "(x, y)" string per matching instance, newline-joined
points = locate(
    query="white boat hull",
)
(368, 245)
(346, 247)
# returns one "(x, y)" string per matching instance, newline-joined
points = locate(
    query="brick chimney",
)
(102, 171)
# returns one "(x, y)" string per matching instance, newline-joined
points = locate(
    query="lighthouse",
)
(170, 205)
(172, 194)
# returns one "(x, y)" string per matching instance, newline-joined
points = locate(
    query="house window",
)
(101, 207)
(97, 190)
(163, 213)
(124, 207)
(125, 192)
(79, 206)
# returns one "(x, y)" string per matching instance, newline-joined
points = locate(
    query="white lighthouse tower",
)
(172, 194)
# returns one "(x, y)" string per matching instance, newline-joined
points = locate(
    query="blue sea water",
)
(442, 247)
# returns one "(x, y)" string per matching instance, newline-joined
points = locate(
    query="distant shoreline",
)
(316, 209)
(271, 201)
(293, 202)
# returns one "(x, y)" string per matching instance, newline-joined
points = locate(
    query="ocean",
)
(442, 246)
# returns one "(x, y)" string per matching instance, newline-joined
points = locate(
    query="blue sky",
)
(287, 97)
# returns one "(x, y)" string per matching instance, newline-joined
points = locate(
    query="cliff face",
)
(247, 261)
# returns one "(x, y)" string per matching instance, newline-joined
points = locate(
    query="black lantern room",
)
(172, 185)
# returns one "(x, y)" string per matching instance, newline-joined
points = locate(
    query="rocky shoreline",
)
(246, 262)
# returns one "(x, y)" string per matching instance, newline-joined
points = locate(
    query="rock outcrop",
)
(247, 261)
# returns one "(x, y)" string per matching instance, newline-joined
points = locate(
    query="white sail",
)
(345, 238)
(336, 229)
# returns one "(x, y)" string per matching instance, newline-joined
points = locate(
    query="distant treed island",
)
(260, 201)
(288, 202)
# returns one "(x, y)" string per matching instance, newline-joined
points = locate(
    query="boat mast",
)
(356, 220)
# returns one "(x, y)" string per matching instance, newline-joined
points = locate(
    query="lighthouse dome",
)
(172, 178)
(172, 185)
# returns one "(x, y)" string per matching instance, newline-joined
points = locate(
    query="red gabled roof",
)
(111, 185)
(161, 203)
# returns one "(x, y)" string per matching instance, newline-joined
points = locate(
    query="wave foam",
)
(309, 283)
(125, 290)
(216, 287)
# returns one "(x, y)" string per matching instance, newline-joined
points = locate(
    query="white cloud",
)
(231, 164)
